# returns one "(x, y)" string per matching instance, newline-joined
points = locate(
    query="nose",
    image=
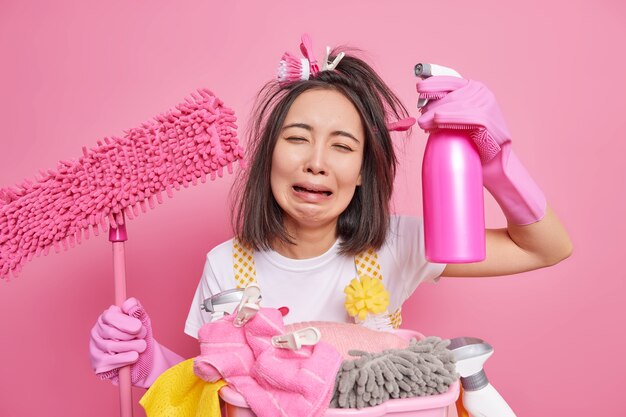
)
(316, 163)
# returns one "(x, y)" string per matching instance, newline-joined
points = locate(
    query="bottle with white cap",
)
(480, 398)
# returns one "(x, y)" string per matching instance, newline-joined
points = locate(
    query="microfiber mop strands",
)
(425, 367)
(195, 140)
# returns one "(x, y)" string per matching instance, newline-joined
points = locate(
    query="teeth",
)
(297, 188)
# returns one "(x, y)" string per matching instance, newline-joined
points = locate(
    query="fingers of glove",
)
(460, 117)
(111, 346)
(440, 84)
(114, 317)
(106, 362)
(487, 116)
(448, 115)
(107, 331)
(130, 304)
(469, 94)
(426, 120)
(473, 104)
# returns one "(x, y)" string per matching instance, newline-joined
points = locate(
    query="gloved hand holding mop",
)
(123, 336)
(109, 183)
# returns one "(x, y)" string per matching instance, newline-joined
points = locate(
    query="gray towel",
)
(426, 367)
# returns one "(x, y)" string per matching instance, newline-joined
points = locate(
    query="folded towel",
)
(273, 381)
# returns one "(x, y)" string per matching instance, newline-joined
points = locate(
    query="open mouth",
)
(299, 189)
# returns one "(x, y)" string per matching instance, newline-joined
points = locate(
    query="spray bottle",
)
(480, 398)
(452, 190)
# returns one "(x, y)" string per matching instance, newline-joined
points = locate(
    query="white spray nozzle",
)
(425, 70)
(471, 354)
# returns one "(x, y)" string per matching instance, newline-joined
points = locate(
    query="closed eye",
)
(296, 139)
(343, 147)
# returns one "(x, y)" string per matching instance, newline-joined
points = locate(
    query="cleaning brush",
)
(120, 176)
(292, 68)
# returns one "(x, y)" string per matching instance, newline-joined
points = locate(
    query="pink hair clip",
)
(292, 68)
(401, 125)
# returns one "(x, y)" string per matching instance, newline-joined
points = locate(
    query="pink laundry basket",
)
(442, 405)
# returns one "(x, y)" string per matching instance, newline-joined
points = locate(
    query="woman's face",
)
(316, 164)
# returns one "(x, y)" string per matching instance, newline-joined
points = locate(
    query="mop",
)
(120, 177)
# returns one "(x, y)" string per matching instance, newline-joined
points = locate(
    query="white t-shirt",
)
(312, 288)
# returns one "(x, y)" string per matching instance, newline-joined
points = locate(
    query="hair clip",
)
(248, 306)
(295, 340)
(401, 125)
(331, 66)
(306, 47)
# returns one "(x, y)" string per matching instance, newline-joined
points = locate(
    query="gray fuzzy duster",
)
(425, 367)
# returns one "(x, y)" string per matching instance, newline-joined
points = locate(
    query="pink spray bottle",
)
(452, 190)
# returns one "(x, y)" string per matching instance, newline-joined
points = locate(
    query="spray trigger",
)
(425, 70)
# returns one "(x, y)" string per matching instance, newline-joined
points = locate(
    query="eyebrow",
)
(310, 129)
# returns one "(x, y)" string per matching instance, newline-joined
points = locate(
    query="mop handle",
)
(117, 237)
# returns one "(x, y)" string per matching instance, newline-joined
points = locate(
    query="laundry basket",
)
(441, 405)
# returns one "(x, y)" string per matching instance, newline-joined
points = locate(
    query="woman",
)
(312, 210)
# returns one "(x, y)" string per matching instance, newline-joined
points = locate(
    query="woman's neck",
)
(308, 242)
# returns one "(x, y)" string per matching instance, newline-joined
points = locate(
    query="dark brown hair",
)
(257, 217)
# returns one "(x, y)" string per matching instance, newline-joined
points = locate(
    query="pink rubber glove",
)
(457, 103)
(123, 336)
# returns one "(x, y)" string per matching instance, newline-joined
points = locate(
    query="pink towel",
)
(345, 337)
(274, 381)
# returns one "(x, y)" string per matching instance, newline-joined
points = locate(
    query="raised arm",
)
(518, 249)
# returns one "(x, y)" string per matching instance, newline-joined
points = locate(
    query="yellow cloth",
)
(178, 392)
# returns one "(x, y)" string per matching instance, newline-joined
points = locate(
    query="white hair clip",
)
(331, 66)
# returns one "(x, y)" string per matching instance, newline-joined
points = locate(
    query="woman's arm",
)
(518, 249)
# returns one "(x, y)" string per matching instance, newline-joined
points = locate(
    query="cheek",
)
(280, 172)
(350, 173)
(284, 160)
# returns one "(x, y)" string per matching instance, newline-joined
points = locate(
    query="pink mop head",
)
(196, 139)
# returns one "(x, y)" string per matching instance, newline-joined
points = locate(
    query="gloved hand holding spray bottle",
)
(452, 187)
(468, 140)
(469, 146)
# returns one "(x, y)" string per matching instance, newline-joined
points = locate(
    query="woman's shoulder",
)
(223, 249)
(218, 266)
(403, 236)
(399, 223)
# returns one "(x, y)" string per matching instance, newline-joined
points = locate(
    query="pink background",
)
(75, 72)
